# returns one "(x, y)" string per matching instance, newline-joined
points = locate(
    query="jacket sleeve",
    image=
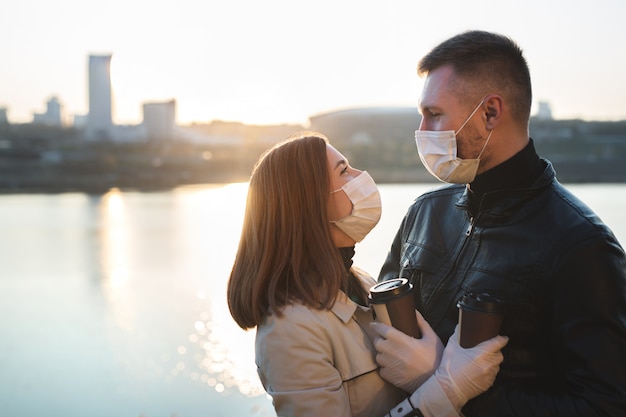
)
(295, 365)
(587, 343)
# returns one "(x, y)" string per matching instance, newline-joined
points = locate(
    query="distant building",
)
(128, 133)
(52, 116)
(544, 112)
(4, 120)
(79, 121)
(367, 125)
(159, 120)
(99, 119)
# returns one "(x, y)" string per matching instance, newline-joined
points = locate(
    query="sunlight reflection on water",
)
(128, 292)
(222, 354)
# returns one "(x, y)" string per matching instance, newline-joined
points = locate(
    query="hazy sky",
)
(275, 61)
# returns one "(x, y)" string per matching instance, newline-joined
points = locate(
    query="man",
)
(508, 228)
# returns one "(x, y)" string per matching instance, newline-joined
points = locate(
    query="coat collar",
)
(502, 203)
(344, 307)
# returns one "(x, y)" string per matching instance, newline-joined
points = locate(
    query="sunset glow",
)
(281, 62)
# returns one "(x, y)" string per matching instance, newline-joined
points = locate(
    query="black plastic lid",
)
(388, 289)
(481, 302)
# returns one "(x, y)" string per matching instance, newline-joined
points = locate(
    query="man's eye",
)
(344, 170)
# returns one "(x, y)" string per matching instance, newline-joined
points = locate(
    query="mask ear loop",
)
(470, 116)
(329, 196)
(485, 145)
(334, 222)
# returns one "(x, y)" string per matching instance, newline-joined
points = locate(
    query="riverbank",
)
(35, 159)
(43, 180)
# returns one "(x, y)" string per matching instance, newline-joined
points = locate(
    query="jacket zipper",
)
(470, 228)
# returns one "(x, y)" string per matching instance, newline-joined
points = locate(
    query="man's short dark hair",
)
(485, 62)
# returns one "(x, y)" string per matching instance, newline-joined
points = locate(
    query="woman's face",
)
(339, 205)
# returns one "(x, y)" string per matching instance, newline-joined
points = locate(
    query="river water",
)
(114, 305)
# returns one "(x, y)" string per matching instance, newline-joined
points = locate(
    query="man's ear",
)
(493, 110)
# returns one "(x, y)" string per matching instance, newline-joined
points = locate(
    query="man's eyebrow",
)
(424, 109)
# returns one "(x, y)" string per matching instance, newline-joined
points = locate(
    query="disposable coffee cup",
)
(394, 305)
(480, 318)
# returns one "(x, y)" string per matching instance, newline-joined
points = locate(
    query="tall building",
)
(99, 119)
(159, 120)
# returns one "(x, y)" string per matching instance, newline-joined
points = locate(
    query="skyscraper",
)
(99, 119)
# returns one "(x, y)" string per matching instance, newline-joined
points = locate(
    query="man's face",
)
(438, 106)
(441, 109)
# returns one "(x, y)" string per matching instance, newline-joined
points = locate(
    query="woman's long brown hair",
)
(286, 252)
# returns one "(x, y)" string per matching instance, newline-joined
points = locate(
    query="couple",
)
(504, 225)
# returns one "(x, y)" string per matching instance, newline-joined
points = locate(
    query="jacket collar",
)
(344, 307)
(519, 171)
(502, 203)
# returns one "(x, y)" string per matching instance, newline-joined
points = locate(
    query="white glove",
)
(405, 361)
(465, 373)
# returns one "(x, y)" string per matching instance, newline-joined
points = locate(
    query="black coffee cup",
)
(480, 318)
(394, 305)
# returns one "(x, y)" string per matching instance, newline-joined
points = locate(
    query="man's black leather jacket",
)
(562, 274)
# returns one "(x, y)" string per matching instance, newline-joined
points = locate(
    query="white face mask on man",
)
(438, 153)
(366, 207)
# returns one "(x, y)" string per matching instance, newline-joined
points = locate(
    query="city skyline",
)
(279, 62)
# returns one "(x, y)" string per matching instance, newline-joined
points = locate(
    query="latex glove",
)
(405, 361)
(465, 373)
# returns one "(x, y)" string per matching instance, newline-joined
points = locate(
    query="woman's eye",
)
(344, 170)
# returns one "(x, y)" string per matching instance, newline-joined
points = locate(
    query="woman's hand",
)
(405, 361)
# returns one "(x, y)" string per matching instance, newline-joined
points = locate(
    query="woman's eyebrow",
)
(340, 162)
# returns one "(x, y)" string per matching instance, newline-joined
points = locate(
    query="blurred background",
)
(128, 130)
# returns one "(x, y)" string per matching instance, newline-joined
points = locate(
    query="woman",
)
(293, 279)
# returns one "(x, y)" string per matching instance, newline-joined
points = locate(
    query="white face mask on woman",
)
(437, 150)
(366, 207)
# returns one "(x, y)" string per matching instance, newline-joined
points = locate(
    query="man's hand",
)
(465, 373)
